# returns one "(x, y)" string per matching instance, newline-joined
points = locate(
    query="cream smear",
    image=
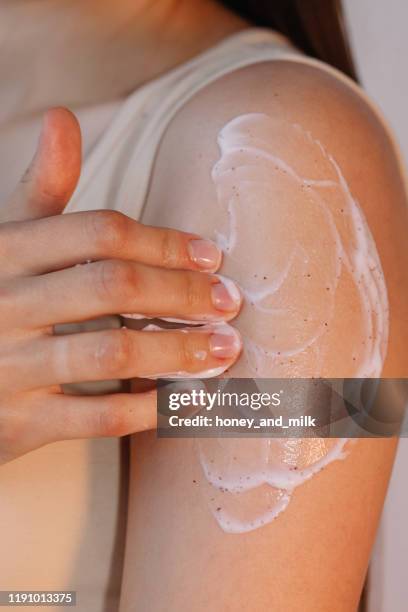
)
(306, 285)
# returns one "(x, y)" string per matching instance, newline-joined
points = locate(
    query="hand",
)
(133, 269)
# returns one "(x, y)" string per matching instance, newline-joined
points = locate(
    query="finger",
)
(123, 353)
(49, 181)
(63, 417)
(52, 243)
(113, 287)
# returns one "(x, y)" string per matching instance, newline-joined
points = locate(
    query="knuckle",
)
(187, 350)
(108, 230)
(192, 294)
(12, 234)
(168, 250)
(114, 420)
(115, 352)
(115, 280)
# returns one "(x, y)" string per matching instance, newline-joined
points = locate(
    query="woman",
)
(161, 155)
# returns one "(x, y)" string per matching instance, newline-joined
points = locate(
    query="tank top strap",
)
(116, 173)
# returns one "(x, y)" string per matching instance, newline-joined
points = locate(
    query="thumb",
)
(53, 173)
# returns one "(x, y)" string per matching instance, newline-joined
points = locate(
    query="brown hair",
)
(315, 26)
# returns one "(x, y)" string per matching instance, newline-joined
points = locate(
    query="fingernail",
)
(205, 254)
(225, 294)
(225, 342)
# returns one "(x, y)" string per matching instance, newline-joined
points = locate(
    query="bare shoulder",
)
(317, 127)
(330, 106)
(292, 171)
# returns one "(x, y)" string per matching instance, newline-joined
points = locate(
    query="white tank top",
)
(116, 173)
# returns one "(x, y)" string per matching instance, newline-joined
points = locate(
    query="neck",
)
(84, 52)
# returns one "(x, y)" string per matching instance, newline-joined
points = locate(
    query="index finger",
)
(52, 243)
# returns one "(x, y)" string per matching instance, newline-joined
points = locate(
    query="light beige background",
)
(380, 40)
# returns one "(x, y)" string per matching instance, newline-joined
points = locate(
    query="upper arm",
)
(309, 198)
(305, 159)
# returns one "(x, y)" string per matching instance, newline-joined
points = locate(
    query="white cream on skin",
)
(316, 301)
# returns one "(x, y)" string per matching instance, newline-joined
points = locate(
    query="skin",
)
(315, 555)
(131, 267)
(72, 504)
(46, 523)
(123, 282)
(117, 36)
